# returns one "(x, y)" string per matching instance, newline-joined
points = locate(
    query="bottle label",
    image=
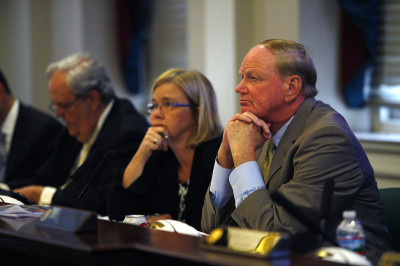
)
(356, 244)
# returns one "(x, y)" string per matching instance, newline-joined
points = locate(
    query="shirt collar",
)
(100, 123)
(278, 136)
(9, 123)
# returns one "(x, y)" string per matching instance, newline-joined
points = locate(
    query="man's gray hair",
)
(84, 74)
(292, 58)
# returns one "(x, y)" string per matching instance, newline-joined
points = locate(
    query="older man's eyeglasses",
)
(53, 107)
(165, 106)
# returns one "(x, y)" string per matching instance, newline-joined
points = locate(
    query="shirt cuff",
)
(4, 186)
(47, 195)
(245, 179)
(220, 178)
(220, 189)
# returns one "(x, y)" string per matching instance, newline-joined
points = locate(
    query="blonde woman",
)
(170, 173)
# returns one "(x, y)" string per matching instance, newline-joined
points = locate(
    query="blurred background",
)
(355, 47)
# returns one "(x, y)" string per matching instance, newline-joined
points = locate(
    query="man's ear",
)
(95, 101)
(292, 88)
(2, 90)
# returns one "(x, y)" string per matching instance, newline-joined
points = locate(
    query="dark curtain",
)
(359, 26)
(133, 18)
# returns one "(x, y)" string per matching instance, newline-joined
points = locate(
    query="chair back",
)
(391, 206)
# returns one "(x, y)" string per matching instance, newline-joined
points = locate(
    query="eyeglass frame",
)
(65, 106)
(151, 107)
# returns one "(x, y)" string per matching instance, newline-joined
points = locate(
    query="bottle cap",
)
(349, 214)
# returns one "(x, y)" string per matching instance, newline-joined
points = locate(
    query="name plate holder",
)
(272, 245)
(68, 220)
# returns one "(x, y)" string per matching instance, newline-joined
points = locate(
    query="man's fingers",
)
(243, 117)
(265, 129)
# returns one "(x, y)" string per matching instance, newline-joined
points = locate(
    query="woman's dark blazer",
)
(156, 190)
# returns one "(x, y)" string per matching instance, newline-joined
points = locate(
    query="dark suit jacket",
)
(317, 145)
(32, 143)
(156, 191)
(122, 132)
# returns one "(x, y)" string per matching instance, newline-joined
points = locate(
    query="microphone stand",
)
(326, 203)
(101, 166)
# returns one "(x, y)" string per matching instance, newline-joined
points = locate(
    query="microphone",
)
(326, 201)
(101, 166)
(310, 224)
(94, 156)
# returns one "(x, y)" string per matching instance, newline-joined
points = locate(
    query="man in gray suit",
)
(312, 143)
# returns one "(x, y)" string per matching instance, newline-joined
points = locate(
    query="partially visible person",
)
(172, 168)
(27, 138)
(310, 143)
(97, 122)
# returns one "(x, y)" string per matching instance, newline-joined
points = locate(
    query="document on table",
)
(20, 211)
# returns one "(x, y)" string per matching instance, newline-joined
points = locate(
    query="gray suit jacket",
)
(317, 145)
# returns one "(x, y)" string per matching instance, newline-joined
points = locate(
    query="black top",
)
(156, 190)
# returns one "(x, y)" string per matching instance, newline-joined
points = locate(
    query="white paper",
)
(16, 211)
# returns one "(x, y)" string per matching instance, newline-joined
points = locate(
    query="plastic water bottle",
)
(350, 234)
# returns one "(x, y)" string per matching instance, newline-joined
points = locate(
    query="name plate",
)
(251, 242)
(68, 220)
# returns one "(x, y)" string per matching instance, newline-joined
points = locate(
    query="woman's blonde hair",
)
(200, 92)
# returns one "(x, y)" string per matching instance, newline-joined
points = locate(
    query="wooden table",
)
(22, 243)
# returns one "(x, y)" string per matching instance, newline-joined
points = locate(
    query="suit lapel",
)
(70, 151)
(103, 135)
(18, 140)
(291, 134)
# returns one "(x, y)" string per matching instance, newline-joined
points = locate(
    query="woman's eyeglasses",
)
(165, 106)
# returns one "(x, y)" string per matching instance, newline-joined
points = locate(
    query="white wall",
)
(91, 29)
(15, 50)
(311, 22)
(277, 19)
(319, 30)
(212, 48)
(36, 32)
(220, 33)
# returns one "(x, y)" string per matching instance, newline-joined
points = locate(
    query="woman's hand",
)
(156, 138)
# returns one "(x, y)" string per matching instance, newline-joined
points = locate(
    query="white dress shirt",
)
(7, 128)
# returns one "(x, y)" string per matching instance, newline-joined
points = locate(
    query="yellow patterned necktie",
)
(81, 159)
(268, 159)
(84, 153)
